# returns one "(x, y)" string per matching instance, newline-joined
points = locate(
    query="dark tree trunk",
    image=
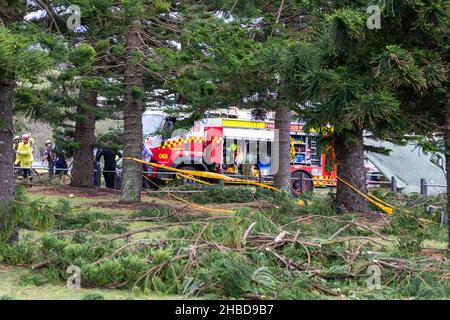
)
(350, 167)
(85, 138)
(8, 14)
(282, 177)
(7, 194)
(132, 171)
(447, 157)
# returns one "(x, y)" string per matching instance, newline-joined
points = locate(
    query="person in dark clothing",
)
(109, 168)
(61, 166)
(97, 170)
(60, 152)
(50, 157)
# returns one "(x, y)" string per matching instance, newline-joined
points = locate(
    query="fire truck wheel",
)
(188, 181)
(297, 187)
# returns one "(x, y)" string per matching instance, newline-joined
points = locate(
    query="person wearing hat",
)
(25, 156)
(50, 157)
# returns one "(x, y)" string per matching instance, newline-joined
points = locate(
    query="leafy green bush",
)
(424, 287)
(23, 252)
(90, 220)
(93, 296)
(410, 231)
(122, 272)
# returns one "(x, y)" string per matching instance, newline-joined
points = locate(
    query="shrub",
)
(22, 252)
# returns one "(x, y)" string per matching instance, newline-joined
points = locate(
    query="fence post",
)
(394, 188)
(423, 187)
(301, 183)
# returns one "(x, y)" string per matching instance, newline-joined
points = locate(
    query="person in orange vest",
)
(25, 156)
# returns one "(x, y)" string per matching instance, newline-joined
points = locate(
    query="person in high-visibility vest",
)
(25, 156)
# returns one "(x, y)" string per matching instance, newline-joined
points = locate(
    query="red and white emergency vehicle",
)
(234, 144)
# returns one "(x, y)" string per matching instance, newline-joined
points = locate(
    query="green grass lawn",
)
(16, 284)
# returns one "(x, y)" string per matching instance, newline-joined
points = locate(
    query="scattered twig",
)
(248, 232)
(339, 232)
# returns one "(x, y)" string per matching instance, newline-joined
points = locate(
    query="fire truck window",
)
(241, 152)
(252, 152)
(264, 150)
(151, 123)
(229, 151)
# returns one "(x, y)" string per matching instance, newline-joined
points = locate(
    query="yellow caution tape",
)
(203, 174)
(371, 198)
(380, 201)
(212, 175)
(188, 174)
(193, 179)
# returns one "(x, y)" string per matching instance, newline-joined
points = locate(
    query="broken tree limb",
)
(248, 232)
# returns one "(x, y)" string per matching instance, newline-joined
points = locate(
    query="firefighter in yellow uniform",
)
(25, 156)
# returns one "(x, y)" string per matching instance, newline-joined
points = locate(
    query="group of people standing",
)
(23, 147)
(57, 164)
(23, 155)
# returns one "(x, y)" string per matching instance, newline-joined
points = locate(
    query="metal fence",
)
(392, 184)
(424, 186)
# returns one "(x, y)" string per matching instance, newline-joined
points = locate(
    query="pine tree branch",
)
(50, 15)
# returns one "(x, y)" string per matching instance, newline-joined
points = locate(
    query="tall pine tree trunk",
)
(447, 157)
(8, 15)
(7, 85)
(84, 136)
(282, 178)
(132, 171)
(350, 167)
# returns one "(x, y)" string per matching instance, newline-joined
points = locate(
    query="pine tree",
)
(362, 80)
(146, 31)
(88, 68)
(132, 171)
(236, 68)
(8, 15)
(21, 61)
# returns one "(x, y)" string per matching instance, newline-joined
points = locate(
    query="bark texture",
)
(447, 157)
(83, 174)
(9, 14)
(132, 171)
(7, 194)
(350, 167)
(282, 177)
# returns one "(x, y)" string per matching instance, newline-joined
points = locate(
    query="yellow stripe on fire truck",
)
(170, 144)
(217, 140)
(324, 181)
(195, 139)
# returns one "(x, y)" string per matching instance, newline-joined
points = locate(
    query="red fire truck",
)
(234, 144)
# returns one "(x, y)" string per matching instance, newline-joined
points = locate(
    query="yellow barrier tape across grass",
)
(386, 207)
(203, 174)
(193, 179)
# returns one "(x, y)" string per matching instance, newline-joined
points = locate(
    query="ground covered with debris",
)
(222, 242)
